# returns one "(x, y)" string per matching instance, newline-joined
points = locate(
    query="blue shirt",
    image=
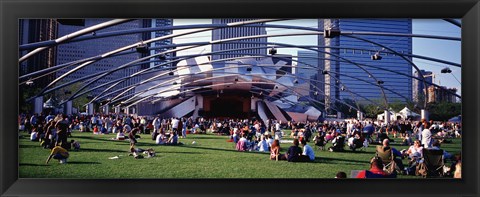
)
(308, 151)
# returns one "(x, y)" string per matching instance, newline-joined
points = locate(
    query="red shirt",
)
(374, 170)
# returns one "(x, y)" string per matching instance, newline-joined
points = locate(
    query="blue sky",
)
(435, 48)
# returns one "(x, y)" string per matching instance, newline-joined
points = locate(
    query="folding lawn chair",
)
(433, 163)
(386, 155)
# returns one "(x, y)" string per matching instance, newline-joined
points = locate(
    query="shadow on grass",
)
(82, 162)
(28, 146)
(229, 150)
(93, 138)
(31, 164)
(180, 152)
(101, 150)
(206, 138)
(336, 160)
(359, 152)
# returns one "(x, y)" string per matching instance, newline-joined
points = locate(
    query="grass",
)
(211, 157)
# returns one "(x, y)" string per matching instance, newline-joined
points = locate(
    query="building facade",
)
(440, 95)
(89, 48)
(308, 64)
(345, 50)
(418, 88)
(37, 30)
(234, 32)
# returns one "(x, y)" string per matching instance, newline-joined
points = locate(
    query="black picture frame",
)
(11, 11)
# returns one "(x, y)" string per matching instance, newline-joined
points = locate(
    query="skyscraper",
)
(310, 62)
(89, 48)
(31, 31)
(36, 30)
(234, 32)
(418, 87)
(358, 51)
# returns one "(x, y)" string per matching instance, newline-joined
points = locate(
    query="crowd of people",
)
(253, 134)
(52, 132)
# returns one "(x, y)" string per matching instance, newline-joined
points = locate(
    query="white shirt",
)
(427, 138)
(262, 146)
(277, 126)
(414, 150)
(33, 136)
(159, 139)
(175, 123)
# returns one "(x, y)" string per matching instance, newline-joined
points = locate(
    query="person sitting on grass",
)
(275, 151)
(294, 152)
(173, 140)
(58, 153)
(375, 171)
(34, 136)
(416, 150)
(120, 136)
(242, 143)
(262, 144)
(75, 145)
(161, 138)
(269, 140)
(95, 130)
(308, 154)
(436, 146)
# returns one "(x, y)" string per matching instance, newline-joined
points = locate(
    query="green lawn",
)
(211, 157)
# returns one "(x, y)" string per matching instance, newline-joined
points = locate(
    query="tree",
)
(444, 111)
(371, 111)
(345, 109)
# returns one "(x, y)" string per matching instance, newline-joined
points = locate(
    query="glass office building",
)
(353, 78)
(90, 48)
(234, 32)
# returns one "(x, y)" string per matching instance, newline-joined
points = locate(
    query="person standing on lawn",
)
(62, 127)
(132, 134)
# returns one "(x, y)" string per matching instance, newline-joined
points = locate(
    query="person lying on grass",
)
(137, 152)
(58, 153)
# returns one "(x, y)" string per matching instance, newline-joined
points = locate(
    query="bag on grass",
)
(421, 170)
